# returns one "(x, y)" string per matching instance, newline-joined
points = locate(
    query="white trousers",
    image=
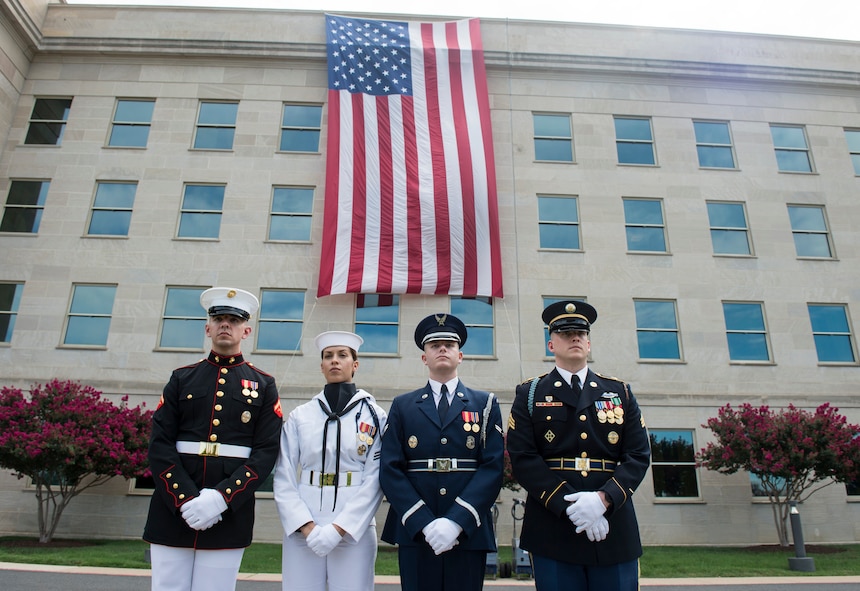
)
(187, 569)
(349, 567)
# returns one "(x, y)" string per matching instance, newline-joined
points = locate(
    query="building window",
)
(553, 138)
(746, 331)
(48, 121)
(216, 126)
(558, 222)
(792, 150)
(673, 464)
(280, 323)
(546, 302)
(10, 298)
(657, 329)
(643, 223)
(377, 320)
(634, 141)
(201, 211)
(301, 126)
(292, 209)
(112, 206)
(89, 315)
(477, 315)
(809, 228)
(760, 488)
(714, 144)
(24, 206)
(183, 322)
(131, 122)
(729, 232)
(852, 136)
(832, 333)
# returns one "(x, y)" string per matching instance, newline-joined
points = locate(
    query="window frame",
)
(72, 315)
(763, 332)
(277, 215)
(543, 224)
(266, 320)
(21, 208)
(116, 209)
(715, 145)
(197, 320)
(644, 329)
(216, 126)
(786, 150)
(795, 232)
(847, 335)
(633, 141)
(287, 130)
(388, 325)
(9, 315)
(729, 230)
(853, 148)
(187, 213)
(541, 139)
(117, 124)
(631, 226)
(459, 307)
(60, 124)
(686, 465)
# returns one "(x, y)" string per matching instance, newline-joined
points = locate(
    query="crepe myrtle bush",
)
(66, 438)
(794, 452)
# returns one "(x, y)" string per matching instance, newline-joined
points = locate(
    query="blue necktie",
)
(443, 403)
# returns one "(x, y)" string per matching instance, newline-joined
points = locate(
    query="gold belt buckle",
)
(209, 448)
(443, 464)
(581, 464)
(327, 479)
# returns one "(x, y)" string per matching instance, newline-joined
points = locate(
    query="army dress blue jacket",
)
(223, 400)
(559, 445)
(451, 468)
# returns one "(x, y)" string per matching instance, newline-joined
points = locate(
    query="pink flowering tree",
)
(66, 438)
(794, 452)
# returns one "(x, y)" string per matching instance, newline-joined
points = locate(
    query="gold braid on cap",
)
(560, 316)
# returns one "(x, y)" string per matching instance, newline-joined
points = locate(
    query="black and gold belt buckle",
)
(581, 464)
(327, 479)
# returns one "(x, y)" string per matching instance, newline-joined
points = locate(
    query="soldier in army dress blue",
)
(214, 440)
(579, 447)
(441, 469)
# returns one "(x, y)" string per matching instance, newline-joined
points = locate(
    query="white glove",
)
(442, 534)
(323, 539)
(204, 511)
(585, 508)
(597, 532)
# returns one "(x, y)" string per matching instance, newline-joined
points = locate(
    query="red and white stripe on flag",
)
(410, 196)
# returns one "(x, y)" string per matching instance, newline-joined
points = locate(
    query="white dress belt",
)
(210, 449)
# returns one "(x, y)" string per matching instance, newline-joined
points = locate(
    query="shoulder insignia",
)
(613, 378)
(533, 378)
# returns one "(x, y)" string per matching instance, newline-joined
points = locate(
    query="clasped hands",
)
(204, 510)
(323, 539)
(586, 511)
(441, 534)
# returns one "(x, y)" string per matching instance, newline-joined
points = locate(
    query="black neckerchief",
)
(340, 394)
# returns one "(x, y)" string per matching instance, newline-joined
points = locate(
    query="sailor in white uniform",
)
(327, 478)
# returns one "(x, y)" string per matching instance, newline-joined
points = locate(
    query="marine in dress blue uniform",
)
(580, 455)
(441, 476)
(214, 440)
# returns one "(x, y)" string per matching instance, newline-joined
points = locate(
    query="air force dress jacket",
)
(560, 445)
(451, 468)
(219, 401)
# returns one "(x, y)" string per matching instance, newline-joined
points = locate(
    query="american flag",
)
(410, 198)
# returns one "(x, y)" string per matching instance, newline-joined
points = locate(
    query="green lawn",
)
(657, 561)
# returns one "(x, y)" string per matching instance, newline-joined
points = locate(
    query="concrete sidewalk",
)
(26, 577)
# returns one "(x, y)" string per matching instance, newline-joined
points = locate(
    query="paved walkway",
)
(27, 577)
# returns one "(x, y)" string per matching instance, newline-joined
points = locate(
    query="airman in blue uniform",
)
(441, 469)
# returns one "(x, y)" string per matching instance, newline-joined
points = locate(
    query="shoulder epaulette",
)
(533, 384)
(613, 378)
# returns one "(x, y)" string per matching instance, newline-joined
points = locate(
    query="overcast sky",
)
(830, 19)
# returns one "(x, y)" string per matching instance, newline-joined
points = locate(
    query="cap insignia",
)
(441, 319)
(570, 308)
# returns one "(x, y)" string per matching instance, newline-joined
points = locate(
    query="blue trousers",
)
(455, 570)
(552, 575)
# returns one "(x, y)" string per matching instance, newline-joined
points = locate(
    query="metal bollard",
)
(800, 562)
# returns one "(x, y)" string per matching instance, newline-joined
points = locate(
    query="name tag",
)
(549, 403)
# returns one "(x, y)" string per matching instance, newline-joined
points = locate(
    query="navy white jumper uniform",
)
(328, 473)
